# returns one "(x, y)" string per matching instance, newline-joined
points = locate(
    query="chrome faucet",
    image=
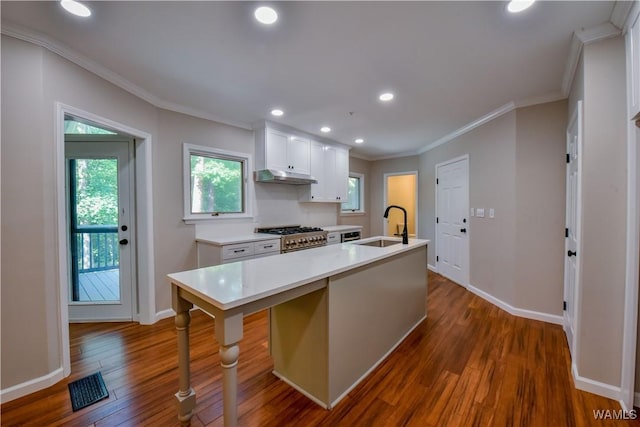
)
(405, 234)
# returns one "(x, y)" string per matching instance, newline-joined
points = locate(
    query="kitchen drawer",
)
(333, 238)
(266, 246)
(237, 251)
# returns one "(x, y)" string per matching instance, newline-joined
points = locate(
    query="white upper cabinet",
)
(317, 191)
(330, 167)
(633, 63)
(342, 174)
(281, 151)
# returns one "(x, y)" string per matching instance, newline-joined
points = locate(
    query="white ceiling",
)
(448, 63)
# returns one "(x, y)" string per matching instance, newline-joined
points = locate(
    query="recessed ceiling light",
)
(325, 129)
(387, 96)
(516, 6)
(266, 15)
(75, 8)
(359, 141)
(277, 112)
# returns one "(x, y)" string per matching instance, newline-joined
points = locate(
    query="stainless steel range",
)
(296, 237)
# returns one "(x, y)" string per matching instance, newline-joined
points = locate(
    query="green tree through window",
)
(216, 185)
(97, 191)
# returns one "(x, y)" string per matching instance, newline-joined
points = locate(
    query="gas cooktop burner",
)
(296, 237)
(289, 229)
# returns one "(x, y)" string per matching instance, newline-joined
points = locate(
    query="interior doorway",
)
(100, 224)
(145, 312)
(401, 189)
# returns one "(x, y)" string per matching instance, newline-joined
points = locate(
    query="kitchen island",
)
(335, 313)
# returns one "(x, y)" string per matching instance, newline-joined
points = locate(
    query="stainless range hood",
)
(283, 177)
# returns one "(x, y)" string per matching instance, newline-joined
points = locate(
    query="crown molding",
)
(578, 40)
(542, 99)
(470, 126)
(54, 46)
(620, 14)
(412, 153)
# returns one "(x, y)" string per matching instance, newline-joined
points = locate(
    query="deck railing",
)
(97, 248)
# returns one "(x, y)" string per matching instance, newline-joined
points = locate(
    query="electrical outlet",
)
(480, 212)
(492, 213)
(473, 212)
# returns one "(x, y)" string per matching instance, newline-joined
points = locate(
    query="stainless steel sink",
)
(380, 243)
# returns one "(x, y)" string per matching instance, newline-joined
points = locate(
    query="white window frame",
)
(361, 211)
(245, 158)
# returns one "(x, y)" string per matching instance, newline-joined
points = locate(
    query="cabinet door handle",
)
(463, 230)
(570, 253)
(268, 246)
(238, 251)
(123, 242)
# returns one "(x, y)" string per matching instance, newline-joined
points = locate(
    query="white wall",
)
(33, 80)
(540, 207)
(603, 211)
(491, 149)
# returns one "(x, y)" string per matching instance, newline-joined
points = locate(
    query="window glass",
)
(215, 183)
(355, 194)
(72, 127)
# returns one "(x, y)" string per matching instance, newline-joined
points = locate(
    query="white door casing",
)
(572, 232)
(121, 149)
(452, 224)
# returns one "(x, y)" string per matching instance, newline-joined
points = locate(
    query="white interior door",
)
(572, 231)
(100, 228)
(452, 238)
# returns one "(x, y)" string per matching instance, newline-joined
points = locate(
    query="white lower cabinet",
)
(210, 254)
(330, 167)
(333, 238)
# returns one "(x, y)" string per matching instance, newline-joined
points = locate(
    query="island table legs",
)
(185, 396)
(228, 334)
(228, 326)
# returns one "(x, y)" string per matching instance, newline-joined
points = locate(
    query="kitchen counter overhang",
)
(314, 292)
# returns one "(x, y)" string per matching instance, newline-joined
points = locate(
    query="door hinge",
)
(437, 181)
(564, 306)
(566, 232)
(568, 158)
(437, 258)
(437, 220)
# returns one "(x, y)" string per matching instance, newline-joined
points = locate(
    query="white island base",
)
(335, 313)
(324, 343)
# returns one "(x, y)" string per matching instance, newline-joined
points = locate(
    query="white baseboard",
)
(595, 387)
(432, 268)
(520, 312)
(164, 314)
(31, 386)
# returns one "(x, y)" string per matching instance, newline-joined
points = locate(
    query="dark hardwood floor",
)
(468, 364)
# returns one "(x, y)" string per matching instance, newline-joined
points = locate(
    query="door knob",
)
(124, 242)
(463, 230)
(569, 253)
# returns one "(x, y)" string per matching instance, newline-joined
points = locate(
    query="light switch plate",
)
(492, 213)
(473, 213)
(480, 212)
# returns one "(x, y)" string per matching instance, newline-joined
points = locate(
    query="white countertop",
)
(256, 237)
(232, 240)
(232, 285)
(333, 228)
